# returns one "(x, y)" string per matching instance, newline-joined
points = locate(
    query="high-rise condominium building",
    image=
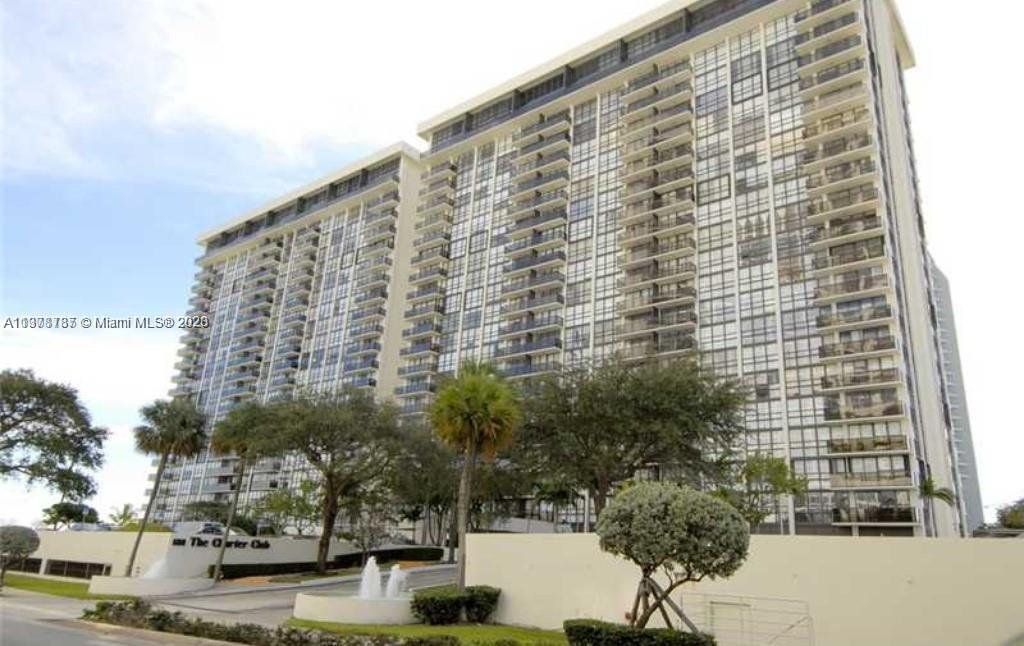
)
(732, 178)
(962, 450)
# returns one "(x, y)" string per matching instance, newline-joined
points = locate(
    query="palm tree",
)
(122, 515)
(929, 491)
(246, 432)
(173, 429)
(476, 412)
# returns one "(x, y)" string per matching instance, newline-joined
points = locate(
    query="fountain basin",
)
(353, 610)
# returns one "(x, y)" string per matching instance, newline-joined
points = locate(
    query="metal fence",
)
(750, 621)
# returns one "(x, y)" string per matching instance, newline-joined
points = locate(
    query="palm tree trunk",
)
(145, 516)
(231, 519)
(465, 488)
(453, 531)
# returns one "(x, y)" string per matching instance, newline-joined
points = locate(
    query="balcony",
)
(864, 252)
(433, 290)
(656, 298)
(541, 346)
(418, 368)
(439, 171)
(432, 239)
(840, 203)
(545, 163)
(657, 249)
(657, 160)
(431, 309)
(254, 345)
(294, 319)
(844, 349)
(551, 199)
(377, 295)
(528, 283)
(838, 100)
(875, 444)
(435, 205)
(417, 388)
(663, 346)
(522, 370)
(386, 200)
(841, 288)
(539, 222)
(537, 242)
(258, 315)
(258, 301)
(290, 334)
(377, 248)
(365, 331)
(660, 120)
(434, 222)
(536, 262)
(861, 380)
(666, 75)
(296, 303)
(238, 392)
(669, 271)
(379, 233)
(849, 229)
(648, 324)
(885, 409)
(531, 325)
(288, 350)
(376, 217)
(660, 98)
(362, 348)
(841, 176)
(361, 364)
(534, 303)
(850, 318)
(827, 32)
(441, 185)
(431, 273)
(871, 480)
(368, 313)
(304, 260)
(546, 127)
(549, 144)
(838, 125)
(372, 279)
(418, 349)
(657, 182)
(662, 140)
(664, 224)
(833, 77)
(836, 151)
(549, 181)
(435, 255)
(679, 199)
(830, 54)
(426, 328)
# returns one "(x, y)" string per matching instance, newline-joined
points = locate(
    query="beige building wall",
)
(877, 591)
(112, 548)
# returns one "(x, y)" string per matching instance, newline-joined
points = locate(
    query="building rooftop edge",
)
(595, 44)
(397, 148)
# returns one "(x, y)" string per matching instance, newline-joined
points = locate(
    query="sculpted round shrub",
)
(686, 534)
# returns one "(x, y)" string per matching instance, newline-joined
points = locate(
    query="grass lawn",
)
(483, 633)
(299, 577)
(71, 589)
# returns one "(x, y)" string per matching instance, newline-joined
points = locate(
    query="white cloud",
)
(115, 373)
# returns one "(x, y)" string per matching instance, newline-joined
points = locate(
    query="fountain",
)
(371, 605)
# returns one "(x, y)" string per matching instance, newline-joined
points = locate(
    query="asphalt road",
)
(272, 606)
(29, 619)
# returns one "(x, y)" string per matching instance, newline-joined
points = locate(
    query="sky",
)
(128, 127)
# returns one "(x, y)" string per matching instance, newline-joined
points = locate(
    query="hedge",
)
(445, 604)
(140, 614)
(416, 553)
(589, 632)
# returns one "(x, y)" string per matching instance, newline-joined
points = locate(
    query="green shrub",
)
(433, 640)
(481, 600)
(440, 605)
(589, 632)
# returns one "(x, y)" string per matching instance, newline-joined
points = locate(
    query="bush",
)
(440, 605)
(481, 600)
(588, 632)
(433, 640)
(444, 604)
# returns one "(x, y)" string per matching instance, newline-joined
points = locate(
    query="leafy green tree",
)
(686, 534)
(243, 435)
(122, 515)
(211, 511)
(369, 516)
(758, 483)
(559, 494)
(172, 429)
(592, 427)
(16, 544)
(47, 435)
(296, 507)
(348, 439)
(1011, 516)
(63, 514)
(476, 412)
(424, 482)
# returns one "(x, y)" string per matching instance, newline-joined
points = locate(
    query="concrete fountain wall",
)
(371, 606)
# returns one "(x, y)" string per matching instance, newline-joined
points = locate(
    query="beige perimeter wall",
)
(863, 591)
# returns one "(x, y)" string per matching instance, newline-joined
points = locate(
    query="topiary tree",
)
(686, 534)
(16, 543)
